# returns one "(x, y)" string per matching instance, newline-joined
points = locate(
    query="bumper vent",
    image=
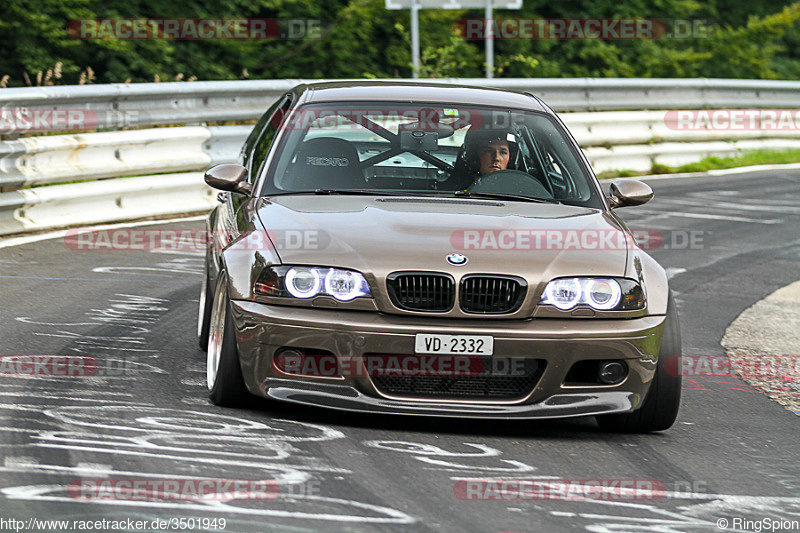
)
(422, 291)
(475, 388)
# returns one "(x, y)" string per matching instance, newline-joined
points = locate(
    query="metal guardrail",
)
(148, 104)
(630, 137)
(88, 156)
(611, 128)
(95, 202)
(641, 157)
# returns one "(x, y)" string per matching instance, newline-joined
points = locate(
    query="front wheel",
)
(223, 371)
(660, 407)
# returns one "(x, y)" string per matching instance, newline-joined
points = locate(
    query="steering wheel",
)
(510, 182)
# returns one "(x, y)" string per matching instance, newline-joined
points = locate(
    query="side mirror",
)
(626, 193)
(228, 177)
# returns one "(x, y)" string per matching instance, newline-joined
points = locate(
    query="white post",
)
(489, 33)
(415, 38)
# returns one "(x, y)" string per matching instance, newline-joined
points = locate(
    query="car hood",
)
(379, 235)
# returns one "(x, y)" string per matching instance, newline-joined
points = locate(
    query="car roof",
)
(413, 92)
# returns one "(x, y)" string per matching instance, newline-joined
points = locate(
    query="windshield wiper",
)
(366, 192)
(322, 192)
(362, 192)
(503, 196)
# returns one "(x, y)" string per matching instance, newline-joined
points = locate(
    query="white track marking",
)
(194, 441)
(188, 422)
(417, 448)
(124, 269)
(516, 466)
(93, 469)
(732, 207)
(657, 215)
(719, 172)
(59, 397)
(20, 460)
(504, 476)
(17, 241)
(384, 515)
(768, 221)
(674, 271)
(423, 452)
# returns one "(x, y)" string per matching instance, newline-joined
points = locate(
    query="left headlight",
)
(602, 294)
(305, 282)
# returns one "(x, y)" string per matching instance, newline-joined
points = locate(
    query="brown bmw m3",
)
(437, 250)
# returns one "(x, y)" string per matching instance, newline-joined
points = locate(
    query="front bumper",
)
(261, 329)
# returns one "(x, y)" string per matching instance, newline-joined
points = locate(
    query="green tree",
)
(360, 38)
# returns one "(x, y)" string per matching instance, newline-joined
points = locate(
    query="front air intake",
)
(422, 291)
(491, 294)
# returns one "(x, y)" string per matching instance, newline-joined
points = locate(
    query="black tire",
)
(661, 405)
(228, 389)
(204, 311)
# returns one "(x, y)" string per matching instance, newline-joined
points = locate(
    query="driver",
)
(487, 151)
(493, 154)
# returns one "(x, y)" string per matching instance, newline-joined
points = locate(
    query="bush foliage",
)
(360, 38)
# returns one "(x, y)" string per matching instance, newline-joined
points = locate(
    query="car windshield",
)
(465, 151)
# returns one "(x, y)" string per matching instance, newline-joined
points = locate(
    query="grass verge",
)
(756, 157)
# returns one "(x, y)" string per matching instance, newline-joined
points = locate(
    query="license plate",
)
(430, 343)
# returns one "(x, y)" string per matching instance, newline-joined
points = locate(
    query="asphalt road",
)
(732, 453)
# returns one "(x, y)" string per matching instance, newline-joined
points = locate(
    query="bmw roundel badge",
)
(457, 259)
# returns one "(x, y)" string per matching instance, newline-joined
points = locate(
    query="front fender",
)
(246, 252)
(653, 279)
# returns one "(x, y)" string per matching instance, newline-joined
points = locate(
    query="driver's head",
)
(490, 150)
(493, 155)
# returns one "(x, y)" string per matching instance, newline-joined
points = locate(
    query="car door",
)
(230, 219)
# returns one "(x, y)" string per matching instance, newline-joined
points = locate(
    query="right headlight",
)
(304, 282)
(602, 294)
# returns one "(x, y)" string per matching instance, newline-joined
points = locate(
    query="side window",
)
(246, 153)
(561, 176)
(267, 135)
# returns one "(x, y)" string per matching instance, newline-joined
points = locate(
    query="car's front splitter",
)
(343, 397)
